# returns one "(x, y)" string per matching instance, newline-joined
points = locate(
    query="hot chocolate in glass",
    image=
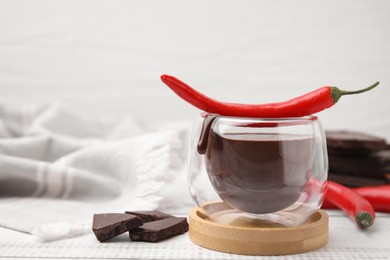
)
(270, 169)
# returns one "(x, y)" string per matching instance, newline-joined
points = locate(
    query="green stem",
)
(338, 93)
(364, 219)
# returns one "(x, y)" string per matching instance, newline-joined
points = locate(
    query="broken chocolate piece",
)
(357, 181)
(352, 142)
(159, 230)
(106, 226)
(148, 216)
(373, 165)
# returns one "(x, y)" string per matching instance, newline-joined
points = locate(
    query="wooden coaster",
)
(259, 240)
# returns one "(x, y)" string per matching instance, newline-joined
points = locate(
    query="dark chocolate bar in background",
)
(109, 225)
(373, 165)
(358, 159)
(148, 216)
(357, 181)
(156, 231)
(354, 143)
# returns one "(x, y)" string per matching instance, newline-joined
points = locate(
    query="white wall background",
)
(105, 57)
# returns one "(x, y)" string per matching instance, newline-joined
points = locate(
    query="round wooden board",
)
(262, 240)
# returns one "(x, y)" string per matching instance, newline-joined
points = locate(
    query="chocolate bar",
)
(148, 216)
(106, 226)
(357, 159)
(159, 230)
(357, 181)
(374, 165)
(352, 142)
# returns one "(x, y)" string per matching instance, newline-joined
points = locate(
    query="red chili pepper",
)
(326, 204)
(354, 205)
(378, 196)
(307, 104)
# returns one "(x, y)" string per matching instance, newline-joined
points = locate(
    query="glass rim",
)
(267, 119)
(263, 122)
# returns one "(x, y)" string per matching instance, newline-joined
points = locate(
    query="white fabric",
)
(58, 168)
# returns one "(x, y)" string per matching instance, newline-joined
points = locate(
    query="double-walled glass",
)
(258, 169)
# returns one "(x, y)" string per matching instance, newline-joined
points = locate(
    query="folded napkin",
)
(58, 168)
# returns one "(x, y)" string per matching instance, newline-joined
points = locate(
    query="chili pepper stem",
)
(338, 93)
(364, 219)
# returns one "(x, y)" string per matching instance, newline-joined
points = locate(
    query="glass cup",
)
(257, 169)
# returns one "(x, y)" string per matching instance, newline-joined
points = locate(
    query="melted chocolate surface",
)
(257, 173)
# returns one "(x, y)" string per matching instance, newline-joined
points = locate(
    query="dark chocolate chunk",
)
(352, 142)
(151, 215)
(357, 181)
(375, 165)
(106, 226)
(159, 230)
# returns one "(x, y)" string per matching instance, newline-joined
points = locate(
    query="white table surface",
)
(345, 242)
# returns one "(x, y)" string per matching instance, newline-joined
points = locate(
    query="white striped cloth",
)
(57, 169)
